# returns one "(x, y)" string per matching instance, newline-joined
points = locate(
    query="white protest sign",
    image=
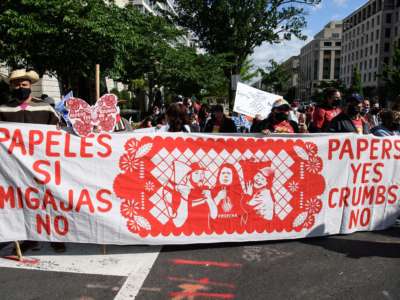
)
(250, 101)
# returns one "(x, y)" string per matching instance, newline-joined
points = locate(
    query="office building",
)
(369, 36)
(320, 59)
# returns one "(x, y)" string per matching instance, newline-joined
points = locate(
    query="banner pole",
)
(97, 82)
(18, 250)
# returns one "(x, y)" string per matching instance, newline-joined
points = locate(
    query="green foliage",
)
(391, 75)
(247, 72)
(275, 77)
(356, 83)
(236, 27)
(69, 37)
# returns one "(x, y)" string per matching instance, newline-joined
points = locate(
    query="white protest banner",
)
(186, 188)
(250, 101)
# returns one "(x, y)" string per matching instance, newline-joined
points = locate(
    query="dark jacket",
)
(343, 123)
(227, 126)
(37, 112)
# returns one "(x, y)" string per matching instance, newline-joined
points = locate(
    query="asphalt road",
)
(359, 266)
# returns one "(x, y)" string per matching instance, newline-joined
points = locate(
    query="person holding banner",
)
(390, 124)
(219, 123)
(23, 108)
(326, 111)
(350, 120)
(278, 120)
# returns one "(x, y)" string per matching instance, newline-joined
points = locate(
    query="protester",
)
(146, 123)
(372, 115)
(350, 120)
(189, 105)
(390, 124)
(177, 119)
(22, 107)
(303, 128)
(326, 111)
(204, 116)
(194, 123)
(219, 122)
(278, 120)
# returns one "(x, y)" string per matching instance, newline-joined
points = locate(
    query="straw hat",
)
(31, 75)
(280, 103)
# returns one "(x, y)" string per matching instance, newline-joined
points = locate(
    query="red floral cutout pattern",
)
(176, 186)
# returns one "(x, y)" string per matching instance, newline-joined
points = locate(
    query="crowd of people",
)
(334, 114)
(354, 114)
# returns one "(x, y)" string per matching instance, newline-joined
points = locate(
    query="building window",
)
(369, 76)
(327, 44)
(378, 19)
(388, 18)
(365, 77)
(371, 50)
(327, 65)
(335, 35)
(387, 32)
(338, 44)
(387, 47)
(376, 48)
(372, 36)
(316, 67)
(376, 62)
(377, 34)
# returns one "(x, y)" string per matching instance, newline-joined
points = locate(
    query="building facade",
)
(292, 66)
(369, 36)
(320, 59)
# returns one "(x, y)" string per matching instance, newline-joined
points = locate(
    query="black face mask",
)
(374, 111)
(21, 94)
(353, 110)
(281, 116)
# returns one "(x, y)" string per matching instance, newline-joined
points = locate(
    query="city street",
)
(358, 266)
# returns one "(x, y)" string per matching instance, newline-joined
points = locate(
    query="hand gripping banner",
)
(187, 188)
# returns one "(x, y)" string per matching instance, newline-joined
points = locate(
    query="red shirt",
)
(283, 127)
(358, 124)
(322, 117)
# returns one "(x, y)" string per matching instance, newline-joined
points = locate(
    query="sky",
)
(317, 17)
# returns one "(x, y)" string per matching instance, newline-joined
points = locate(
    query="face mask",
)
(21, 94)
(374, 111)
(364, 111)
(337, 102)
(281, 116)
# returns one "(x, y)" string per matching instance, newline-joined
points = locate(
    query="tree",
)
(391, 74)
(247, 72)
(356, 83)
(68, 37)
(236, 27)
(274, 78)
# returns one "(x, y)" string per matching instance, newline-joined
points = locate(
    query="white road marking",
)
(135, 262)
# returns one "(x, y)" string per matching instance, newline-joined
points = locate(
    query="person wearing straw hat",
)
(22, 107)
(278, 120)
